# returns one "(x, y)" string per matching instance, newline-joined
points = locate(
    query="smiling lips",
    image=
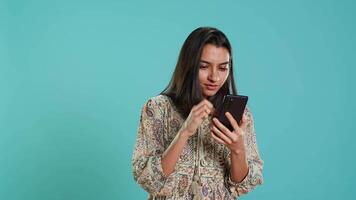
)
(211, 87)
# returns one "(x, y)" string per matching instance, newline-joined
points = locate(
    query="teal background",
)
(75, 74)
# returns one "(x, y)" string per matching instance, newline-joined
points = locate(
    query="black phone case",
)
(234, 104)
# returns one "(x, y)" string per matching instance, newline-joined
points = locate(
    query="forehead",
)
(214, 54)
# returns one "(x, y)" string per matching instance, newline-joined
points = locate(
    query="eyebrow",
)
(224, 63)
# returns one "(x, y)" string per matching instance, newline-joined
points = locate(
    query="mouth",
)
(211, 87)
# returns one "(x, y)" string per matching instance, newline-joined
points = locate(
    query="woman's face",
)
(213, 69)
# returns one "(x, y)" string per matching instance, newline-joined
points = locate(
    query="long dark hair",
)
(184, 88)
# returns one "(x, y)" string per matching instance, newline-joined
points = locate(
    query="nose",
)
(213, 75)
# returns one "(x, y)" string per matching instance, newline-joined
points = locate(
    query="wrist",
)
(239, 156)
(238, 152)
(183, 135)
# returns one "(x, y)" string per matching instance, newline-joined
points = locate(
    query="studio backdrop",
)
(74, 76)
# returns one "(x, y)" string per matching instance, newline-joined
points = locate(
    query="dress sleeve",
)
(255, 163)
(149, 147)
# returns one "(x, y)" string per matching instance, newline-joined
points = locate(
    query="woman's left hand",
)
(233, 140)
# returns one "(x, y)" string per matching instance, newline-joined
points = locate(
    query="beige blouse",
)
(159, 124)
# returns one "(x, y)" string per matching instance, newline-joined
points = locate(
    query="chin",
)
(209, 94)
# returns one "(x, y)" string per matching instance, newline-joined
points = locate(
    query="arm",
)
(171, 155)
(153, 166)
(245, 168)
(196, 115)
(149, 147)
(239, 166)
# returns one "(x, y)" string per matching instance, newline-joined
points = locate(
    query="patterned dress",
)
(159, 124)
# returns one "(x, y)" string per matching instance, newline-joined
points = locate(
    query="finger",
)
(203, 108)
(232, 121)
(205, 103)
(221, 135)
(208, 103)
(196, 107)
(202, 113)
(217, 138)
(200, 105)
(224, 130)
(243, 122)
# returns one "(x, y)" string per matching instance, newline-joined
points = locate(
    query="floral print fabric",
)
(158, 125)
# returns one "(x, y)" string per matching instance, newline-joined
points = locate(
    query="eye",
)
(223, 68)
(203, 67)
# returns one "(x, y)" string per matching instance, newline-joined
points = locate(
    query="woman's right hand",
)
(196, 116)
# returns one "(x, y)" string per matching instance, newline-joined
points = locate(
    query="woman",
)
(181, 151)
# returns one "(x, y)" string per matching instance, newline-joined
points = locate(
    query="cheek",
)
(223, 76)
(202, 76)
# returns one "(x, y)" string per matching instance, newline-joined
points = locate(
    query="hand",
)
(196, 116)
(233, 140)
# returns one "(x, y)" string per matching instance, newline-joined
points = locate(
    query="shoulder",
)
(159, 100)
(158, 103)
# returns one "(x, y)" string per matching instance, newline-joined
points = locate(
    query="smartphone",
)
(235, 105)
